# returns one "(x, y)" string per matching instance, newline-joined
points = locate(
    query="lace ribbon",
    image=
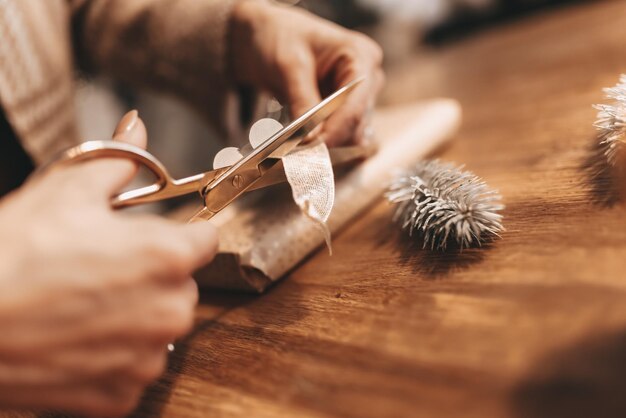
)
(310, 174)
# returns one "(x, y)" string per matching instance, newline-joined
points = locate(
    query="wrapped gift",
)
(264, 234)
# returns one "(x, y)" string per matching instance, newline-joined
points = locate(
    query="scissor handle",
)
(161, 189)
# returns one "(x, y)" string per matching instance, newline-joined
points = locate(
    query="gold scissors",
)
(262, 167)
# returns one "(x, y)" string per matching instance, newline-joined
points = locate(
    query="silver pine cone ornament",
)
(611, 121)
(442, 204)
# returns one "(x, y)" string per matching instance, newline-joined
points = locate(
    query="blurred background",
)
(404, 28)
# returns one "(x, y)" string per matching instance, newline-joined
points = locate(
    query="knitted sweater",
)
(176, 46)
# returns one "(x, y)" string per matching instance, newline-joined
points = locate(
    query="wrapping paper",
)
(264, 234)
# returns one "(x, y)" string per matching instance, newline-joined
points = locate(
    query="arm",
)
(178, 47)
(201, 49)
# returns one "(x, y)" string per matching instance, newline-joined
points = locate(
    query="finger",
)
(342, 126)
(124, 131)
(201, 240)
(300, 84)
(116, 399)
(149, 366)
(171, 250)
(364, 133)
(348, 122)
(154, 311)
(107, 176)
(96, 357)
(168, 315)
(175, 249)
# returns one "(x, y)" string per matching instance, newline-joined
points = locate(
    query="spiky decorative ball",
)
(612, 121)
(442, 204)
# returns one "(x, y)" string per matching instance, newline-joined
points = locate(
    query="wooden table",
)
(532, 326)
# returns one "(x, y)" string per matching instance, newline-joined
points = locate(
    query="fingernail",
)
(126, 123)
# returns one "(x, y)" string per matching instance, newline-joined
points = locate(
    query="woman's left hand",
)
(299, 57)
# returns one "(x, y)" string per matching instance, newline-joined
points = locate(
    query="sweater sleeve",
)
(174, 46)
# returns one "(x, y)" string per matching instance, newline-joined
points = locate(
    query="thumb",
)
(108, 176)
(130, 129)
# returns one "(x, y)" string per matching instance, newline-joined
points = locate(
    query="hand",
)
(298, 57)
(90, 298)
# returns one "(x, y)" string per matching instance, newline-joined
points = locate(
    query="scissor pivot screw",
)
(238, 181)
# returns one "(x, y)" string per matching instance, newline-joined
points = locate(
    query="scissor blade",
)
(330, 105)
(243, 175)
(316, 119)
(339, 156)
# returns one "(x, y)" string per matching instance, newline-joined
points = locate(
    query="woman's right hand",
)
(89, 297)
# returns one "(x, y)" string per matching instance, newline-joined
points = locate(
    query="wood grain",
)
(531, 326)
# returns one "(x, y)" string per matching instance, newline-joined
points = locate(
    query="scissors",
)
(262, 167)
